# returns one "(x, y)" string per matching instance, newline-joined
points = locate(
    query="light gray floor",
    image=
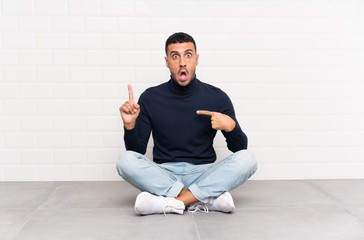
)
(310, 209)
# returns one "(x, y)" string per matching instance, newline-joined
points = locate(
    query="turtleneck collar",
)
(175, 87)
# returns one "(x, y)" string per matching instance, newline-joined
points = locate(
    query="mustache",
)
(181, 69)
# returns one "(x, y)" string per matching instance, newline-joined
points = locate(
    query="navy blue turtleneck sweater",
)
(179, 133)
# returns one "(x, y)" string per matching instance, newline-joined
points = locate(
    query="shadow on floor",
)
(307, 209)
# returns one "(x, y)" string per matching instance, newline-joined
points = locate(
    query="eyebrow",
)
(187, 50)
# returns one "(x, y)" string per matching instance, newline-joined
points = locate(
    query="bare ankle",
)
(186, 197)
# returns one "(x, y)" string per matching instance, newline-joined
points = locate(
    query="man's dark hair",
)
(179, 37)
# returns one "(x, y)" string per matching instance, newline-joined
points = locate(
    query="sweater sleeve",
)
(236, 139)
(137, 139)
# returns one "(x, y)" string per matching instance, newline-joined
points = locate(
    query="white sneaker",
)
(147, 203)
(223, 203)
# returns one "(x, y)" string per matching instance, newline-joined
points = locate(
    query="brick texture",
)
(293, 69)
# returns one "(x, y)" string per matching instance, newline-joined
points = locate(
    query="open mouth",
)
(183, 75)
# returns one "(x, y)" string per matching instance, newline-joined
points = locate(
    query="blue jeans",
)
(205, 181)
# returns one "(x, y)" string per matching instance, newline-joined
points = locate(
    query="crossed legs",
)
(186, 197)
(204, 185)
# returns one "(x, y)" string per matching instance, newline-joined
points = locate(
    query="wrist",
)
(231, 127)
(129, 126)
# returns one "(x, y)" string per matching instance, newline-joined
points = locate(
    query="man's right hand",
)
(129, 111)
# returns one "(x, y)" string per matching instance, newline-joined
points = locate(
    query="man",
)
(184, 115)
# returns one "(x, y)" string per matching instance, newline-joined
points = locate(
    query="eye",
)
(189, 55)
(175, 56)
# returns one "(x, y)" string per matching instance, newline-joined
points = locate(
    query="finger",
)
(205, 112)
(128, 108)
(124, 109)
(131, 96)
(131, 107)
(136, 107)
(213, 125)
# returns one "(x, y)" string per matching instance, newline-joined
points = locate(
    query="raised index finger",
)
(205, 112)
(131, 96)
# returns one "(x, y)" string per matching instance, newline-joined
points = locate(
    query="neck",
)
(182, 89)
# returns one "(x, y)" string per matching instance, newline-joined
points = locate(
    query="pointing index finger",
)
(205, 112)
(131, 96)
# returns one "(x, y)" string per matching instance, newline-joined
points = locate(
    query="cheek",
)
(174, 68)
(192, 66)
(193, 63)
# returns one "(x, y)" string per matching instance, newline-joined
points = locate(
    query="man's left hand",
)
(219, 121)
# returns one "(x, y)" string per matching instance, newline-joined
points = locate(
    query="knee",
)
(246, 161)
(124, 164)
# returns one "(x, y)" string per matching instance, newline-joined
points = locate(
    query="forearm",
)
(236, 139)
(136, 139)
(133, 142)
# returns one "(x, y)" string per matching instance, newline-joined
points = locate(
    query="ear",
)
(197, 58)
(166, 62)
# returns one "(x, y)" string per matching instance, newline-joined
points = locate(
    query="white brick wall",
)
(293, 69)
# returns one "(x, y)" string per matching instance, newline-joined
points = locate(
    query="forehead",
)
(181, 47)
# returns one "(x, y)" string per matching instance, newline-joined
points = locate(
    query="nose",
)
(182, 62)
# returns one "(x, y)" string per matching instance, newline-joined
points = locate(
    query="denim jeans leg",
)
(147, 175)
(224, 176)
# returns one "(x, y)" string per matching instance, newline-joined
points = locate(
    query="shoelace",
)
(198, 207)
(169, 205)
